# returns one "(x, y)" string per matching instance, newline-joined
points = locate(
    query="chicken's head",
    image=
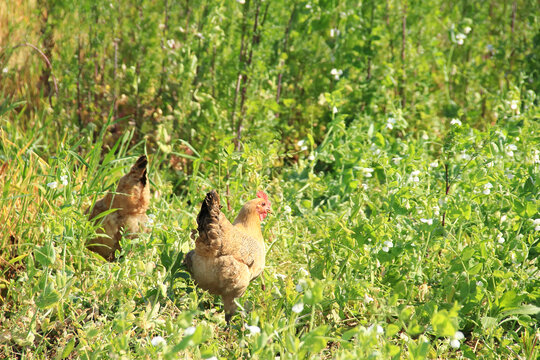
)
(263, 205)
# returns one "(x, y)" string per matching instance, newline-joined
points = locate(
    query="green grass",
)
(405, 192)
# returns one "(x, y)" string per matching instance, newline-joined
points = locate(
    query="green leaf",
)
(488, 323)
(68, 348)
(314, 341)
(526, 309)
(442, 324)
(509, 300)
(392, 330)
(45, 255)
(47, 298)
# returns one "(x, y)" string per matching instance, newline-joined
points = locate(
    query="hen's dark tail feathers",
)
(209, 241)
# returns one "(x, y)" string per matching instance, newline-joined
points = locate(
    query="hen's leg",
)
(230, 307)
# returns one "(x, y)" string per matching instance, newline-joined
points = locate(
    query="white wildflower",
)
(503, 218)
(64, 180)
(301, 143)
(5, 70)
(161, 26)
(367, 172)
(436, 210)
(387, 245)
(158, 340)
(308, 6)
(514, 104)
(380, 330)
(311, 157)
(490, 47)
(253, 329)
(280, 276)
(189, 331)
(455, 122)
(334, 32)
(460, 38)
(299, 287)
(434, 164)
(467, 29)
(389, 126)
(500, 238)
(304, 271)
(334, 110)
(455, 342)
(368, 299)
(479, 283)
(241, 1)
(487, 188)
(427, 221)
(53, 185)
(297, 308)
(397, 159)
(336, 73)
(171, 43)
(287, 209)
(425, 136)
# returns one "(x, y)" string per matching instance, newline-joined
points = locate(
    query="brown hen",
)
(130, 200)
(228, 256)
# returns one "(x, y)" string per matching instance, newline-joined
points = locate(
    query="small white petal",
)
(158, 340)
(385, 249)
(189, 331)
(253, 329)
(479, 284)
(298, 308)
(467, 29)
(53, 185)
(334, 110)
(280, 276)
(301, 143)
(536, 221)
(486, 192)
(455, 343)
(380, 330)
(459, 335)
(368, 299)
(455, 122)
(388, 244)
(299, 287)
(287, 209)
(304, 271)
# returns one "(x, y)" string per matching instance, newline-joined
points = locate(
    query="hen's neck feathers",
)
(248, 220)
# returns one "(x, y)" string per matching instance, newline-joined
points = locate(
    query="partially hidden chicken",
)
(228, 256)
(130, 200)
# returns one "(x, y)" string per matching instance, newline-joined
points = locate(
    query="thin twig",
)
(46, 61)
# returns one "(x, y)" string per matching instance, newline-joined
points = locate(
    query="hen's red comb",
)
(262, 195)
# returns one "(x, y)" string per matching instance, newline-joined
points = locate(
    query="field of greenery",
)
(398, 140)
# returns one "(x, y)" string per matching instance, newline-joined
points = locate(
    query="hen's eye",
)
(263, 204)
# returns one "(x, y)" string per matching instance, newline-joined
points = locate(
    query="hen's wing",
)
(210, 223)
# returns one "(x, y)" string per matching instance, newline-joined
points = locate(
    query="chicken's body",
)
(228, 256)
(131, 201)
